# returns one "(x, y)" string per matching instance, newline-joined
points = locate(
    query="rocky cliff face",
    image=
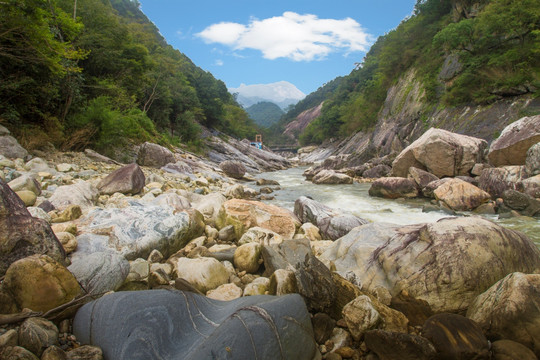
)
(406, 115)
(302, 121)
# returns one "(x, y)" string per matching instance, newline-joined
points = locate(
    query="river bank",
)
(354, 198)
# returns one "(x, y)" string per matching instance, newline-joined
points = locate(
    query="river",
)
(355, 199)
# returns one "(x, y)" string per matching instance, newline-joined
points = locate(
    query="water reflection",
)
(354, 198)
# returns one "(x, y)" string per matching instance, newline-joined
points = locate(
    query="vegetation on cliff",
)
(494, 46)
(265, 113)
(97, 72)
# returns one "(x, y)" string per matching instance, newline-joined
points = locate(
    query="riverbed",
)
(354, 198)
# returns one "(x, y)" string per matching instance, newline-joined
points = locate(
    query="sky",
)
(304, 42)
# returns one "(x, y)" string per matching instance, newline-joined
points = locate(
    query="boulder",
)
(27, 197)
(441, 153)
(234, 169)
(393, 188)
(456, 337)
(525, 204)
(245, 214)
(332, 224)
(259, 286)
(510, 350)
(365, 313)
(531, 186)
(460, 195)
(282, 282)
(421, 177)
(68, 241)
(126, 180)
(25, 182)
(154, 155)
(203, 273)
(313, 280)
(511, 147)
(509, 310)
(85, 352)
(17, 353)
(390, 345)
(209, 205)
(323, 326)
(148, 324)
(496, 180)
(309, 231)
(100, 272)
(377, 171)
(532, 162)
(136, 230)
(10, 148)
(331, 177)
(446, 263)
(246, 257)
(36, 334)
(22, 235)
(81, 193)
(40, 283)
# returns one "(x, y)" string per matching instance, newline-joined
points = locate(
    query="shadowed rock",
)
(234, 169)
(22, 235)
(170, 324)
(511, 147)
(393, 188)
(154, 155)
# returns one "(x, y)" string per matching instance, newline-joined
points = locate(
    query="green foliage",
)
(101, 69)
(265, 113)
(498, 43)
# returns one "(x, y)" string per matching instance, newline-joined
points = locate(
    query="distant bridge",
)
(285, 148)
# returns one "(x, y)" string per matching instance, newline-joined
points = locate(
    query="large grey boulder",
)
(510, 310)
(447, 263)
(10, 147)
(137, 229)
(170, 324)
(99, 272)
(81, 193)
(234, 169)
(332, 223)
(442, 153)
(154, 155)
(126, 180)
(22, 235)
(511, 147)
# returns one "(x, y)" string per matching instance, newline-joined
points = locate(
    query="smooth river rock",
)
(154, 155)
(126, 180)
(394, 187)
(446, 263)
(170, 324)
(460, 195)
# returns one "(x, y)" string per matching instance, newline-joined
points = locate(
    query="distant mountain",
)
(265, 113)
(282, 93)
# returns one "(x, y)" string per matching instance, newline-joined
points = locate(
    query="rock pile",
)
(179, 260)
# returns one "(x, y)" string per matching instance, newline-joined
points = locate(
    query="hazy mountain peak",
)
(282, 93)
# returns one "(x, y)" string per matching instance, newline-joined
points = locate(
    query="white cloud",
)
(218, 62)
(294, 36)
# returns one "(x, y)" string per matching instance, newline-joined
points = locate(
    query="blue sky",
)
(304, 42)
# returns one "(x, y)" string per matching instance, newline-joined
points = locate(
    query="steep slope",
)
(465, 66)
(98, 73)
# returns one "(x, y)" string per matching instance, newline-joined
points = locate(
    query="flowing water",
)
(355, 199)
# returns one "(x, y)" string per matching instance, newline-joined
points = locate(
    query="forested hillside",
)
(265, 113)
(463, 52)
(97, 72)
